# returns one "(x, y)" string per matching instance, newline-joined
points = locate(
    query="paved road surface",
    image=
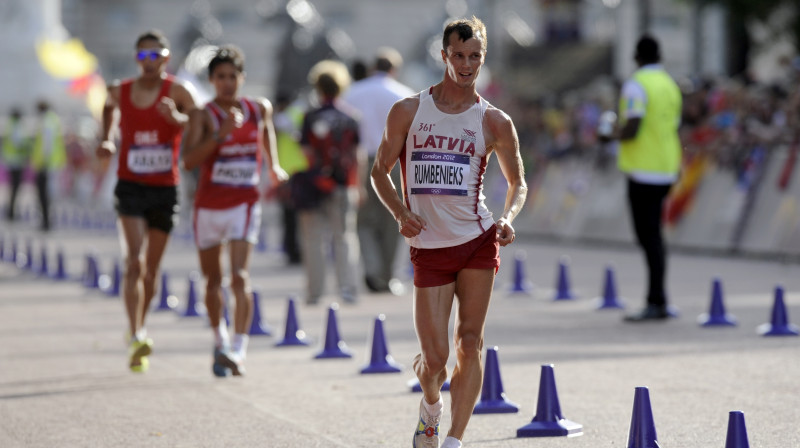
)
(64, 380)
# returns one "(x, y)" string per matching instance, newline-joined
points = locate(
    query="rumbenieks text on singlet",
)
(439, 173)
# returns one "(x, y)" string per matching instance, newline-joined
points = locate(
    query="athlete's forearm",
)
(386, 191)
(107, 122)
(194, 155)
(181, 119)
(271, 146)
(515, 199)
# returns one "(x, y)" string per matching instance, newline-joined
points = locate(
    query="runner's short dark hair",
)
(155, 35)
(466, 29)
(230, 54)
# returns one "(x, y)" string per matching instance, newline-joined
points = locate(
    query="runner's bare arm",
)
(394, 139)
(504, 141)
(176, 107)
(200, 141)
(106, 146)
(276, 173)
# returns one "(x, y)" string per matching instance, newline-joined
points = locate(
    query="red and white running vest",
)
(150, 146)
(443, 165)
(231, 174)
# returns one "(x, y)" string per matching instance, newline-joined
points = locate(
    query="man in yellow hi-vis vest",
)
(48, 155)
(15, 155)
(650, 157)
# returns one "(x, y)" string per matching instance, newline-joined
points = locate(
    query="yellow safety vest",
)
(656, 147)
(15, 147)
(48, 147)
(290, 154)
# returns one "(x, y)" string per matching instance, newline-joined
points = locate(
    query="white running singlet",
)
(443, 165)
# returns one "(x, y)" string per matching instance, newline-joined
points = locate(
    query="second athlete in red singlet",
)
(226, 140)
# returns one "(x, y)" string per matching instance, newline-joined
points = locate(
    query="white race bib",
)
(439, 173)
(236, 172)
(150, 159)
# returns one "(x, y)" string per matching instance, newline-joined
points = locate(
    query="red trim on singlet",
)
(481, 170)
(149, 127)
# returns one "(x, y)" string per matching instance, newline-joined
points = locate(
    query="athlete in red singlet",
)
(153, 109)
(443, 138)
(226, 140)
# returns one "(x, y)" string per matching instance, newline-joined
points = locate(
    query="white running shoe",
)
(427, 432)
(230, 360)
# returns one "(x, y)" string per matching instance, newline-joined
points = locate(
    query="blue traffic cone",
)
(87, 267)
(261, 246)
(14, 249)
(192, 304)
(563, 290)
(493, 398)
(380, 360)
(86, 220)
(548, 421)
(521, 285)
(61, 269)
(716, 316)
(11, 253)
(416, 387)
(609, 299)
(334, 346)
(258, 326)
(780, 325)
(43, 269)
(63, 219)
(737, 432)
(642, 433)
(116, 281)
(293, 335)
(92, 279)
(28, 266)
(166, 302)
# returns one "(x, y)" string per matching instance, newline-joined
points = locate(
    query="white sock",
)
(451, 442)
(221, 335)
(141, 334)
(435, 408)
(239, 345)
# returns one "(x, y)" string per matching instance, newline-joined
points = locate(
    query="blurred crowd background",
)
(553, 65)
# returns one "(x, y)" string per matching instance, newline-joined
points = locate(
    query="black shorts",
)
(157, 205)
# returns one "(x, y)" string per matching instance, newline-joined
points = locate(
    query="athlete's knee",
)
(469, 344)
(213, 283)
(133, 267)
(240, 280)
(434, 360)
(150, 276)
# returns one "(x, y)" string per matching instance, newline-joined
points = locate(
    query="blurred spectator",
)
(358, 70)
(49, 155)
(287, 119)
(327, 195)
(373, 98)
(16, 154)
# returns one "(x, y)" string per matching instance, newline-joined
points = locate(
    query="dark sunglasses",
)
(152, 54)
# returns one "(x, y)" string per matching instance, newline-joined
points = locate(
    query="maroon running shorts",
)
(437, 267)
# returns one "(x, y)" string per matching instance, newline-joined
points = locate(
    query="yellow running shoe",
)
(139, 351)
